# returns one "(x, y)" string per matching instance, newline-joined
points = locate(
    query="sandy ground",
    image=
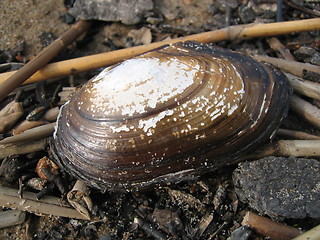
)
(24, 20)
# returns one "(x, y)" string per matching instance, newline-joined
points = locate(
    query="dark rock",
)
(308, 54)
(14, 55)
(246, 14)
(9, 168)
(68, 18)
(311, 76)
(68, 3)
(280, 187)
(46, 38)
(126, 11)
(5, 56)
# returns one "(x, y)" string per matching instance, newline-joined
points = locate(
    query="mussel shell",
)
(169, 115)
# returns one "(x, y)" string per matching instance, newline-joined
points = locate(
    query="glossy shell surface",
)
(168, 115)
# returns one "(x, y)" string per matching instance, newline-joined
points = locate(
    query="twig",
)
(308, 111)
(293, 67)
(304, 87)
(42, 58)
(295, 148)
(303, 9)
(6, 151)
(31, 134)
(297, 135)
(47, 205)
(266, 227)
(312, 234)
(82, 64)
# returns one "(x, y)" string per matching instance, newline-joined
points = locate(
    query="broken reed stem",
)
(9, 115)
(276, 45)
(82, 64)
(47, 205)
(52, 114)
(287, 148)
(11, 217)
(297, 135)
(293, 67)
(31, 134)
(26, 125)
(266, 227)
(308, 111)
(42, 58)
(312, 234)
(22, 148)
(304, 87)
(79, 198)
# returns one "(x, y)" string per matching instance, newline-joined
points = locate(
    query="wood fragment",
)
(47, 205)
(276, 45)
(82, 64)
(11, 218)
(268, 228)
(287, 148)
(293, 67)
(312, 234)
(6, 151)
(307, 110)
(297, 134)
(304, 87)
(9, 115)
(31, 134)
(42, 58)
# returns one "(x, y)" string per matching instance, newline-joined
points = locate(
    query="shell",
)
(169, 115)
